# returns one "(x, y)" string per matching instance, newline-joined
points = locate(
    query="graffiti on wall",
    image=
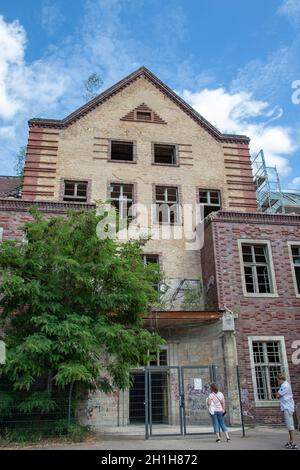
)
(92, 404)
(248, 405)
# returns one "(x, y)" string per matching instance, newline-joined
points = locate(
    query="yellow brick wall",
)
(77, 159)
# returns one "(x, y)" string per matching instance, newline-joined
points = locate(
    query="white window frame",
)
(246, 241)
(171, 204)
(124, 201)
(209, 203)
(1, 234)
(264, 339)
(164, 347)
(214, 207)
(290, 245)
(75, 197)
(161, 348)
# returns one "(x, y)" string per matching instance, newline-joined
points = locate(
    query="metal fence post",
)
(146, 404)
(240, 400)
(69, 405)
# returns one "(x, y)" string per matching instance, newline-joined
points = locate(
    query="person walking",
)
(287, 406)
(216, 404)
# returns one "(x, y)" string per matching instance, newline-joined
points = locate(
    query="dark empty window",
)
(122, 151)
(143, 116)
(75, 191)
(151, 259)
(210, 200)
(257, 269)
(268, 364)
(121, 196)
(296, 264)
(165, 154)
(167, 207)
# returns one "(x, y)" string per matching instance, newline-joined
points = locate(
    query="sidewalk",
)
(259, 438)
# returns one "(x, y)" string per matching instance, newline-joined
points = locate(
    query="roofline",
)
(140, 72)
(10, 176)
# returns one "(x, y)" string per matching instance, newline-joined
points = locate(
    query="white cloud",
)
(21, 85)
(295, 184)
(290, 9)
(7, 132)
(25, 89)
(12, 40)
(52, 86)
(240, 113)
(271, 77)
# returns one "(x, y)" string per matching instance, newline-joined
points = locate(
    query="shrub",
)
(78, 432)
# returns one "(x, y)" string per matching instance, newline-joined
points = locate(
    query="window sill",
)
(266, 403)
(74, 201)
(175, 165)
(260, 296)
(122, 161)
(158, 224)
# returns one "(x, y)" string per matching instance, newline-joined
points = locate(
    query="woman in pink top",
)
(216, 403)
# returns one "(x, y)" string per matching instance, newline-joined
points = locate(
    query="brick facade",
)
(277, 316)
(14, 213)
(78, 148)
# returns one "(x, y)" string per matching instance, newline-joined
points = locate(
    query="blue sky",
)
(234, 61)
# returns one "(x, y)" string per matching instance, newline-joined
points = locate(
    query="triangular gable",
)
(143, 108)
(145, 73)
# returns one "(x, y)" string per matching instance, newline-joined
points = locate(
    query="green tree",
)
(91, 86)
(20, 162)
(73, 307)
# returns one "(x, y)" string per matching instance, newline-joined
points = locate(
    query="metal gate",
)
(175, 400)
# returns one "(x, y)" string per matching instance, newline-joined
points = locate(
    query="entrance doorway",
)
(175, 400)
(137, 398)
(159, 398)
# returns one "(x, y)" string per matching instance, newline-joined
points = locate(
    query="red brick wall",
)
(239, 177)
(279, 316)
(40, 164)
(14, 213)
(220, 258)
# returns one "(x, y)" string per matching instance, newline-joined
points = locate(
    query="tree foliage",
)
(91, 86)
(73, 307)
(20, 162)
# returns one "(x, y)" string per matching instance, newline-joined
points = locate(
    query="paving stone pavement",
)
(259, 438)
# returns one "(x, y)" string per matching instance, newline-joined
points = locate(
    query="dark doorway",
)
(137, 398)
(159, 398)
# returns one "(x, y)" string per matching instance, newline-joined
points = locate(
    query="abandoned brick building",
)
(141, 143)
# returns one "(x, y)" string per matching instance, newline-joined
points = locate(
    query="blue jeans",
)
(218, 422)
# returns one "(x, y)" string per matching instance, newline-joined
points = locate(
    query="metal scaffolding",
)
(269, 195)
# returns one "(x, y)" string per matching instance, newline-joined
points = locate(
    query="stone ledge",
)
(19, 205)
(253, 218)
